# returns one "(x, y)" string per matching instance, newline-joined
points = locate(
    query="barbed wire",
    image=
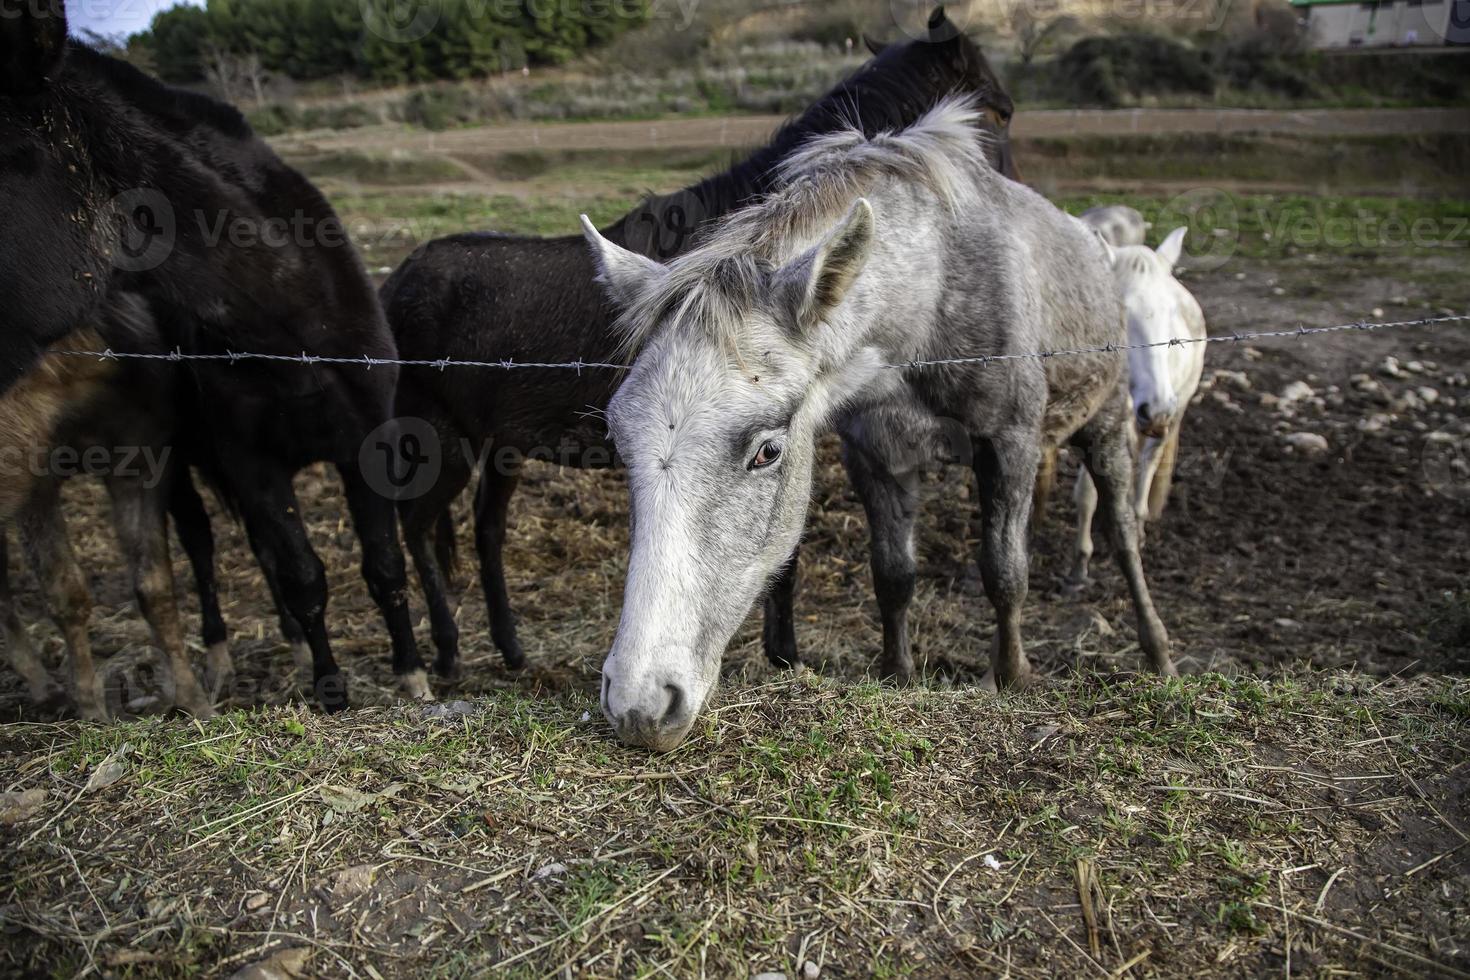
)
(508, 364)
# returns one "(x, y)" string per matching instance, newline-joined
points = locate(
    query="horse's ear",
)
(814, 283)
(32, 44)
(877, 47)
(940, 27)
(624, 274)
(1172, 247)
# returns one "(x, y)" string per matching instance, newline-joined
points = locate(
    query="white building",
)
(1392, 23)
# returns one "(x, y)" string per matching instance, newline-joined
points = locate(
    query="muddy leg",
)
(18, 649)
(421, 516)
(1163, 478)
(492, 505)
(1005, 471)
(191, 525)
(779, 631)
(142, 533)
(891, 501)
(1084, 495)
(1104, 441)
(387, 578)
(48, 549)
(1149, 457)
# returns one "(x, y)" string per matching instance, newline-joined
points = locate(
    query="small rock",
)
(351, 882)
(1308, 443)
(1288, 624)
(15, 807)
(1239, 276)
(1378, 313)
(1277, 291)
(1237, 379)
(1390, 366)
(448, 711)
(1399, 300)
(256, 901)
(110, 769)
(1296, 391)
(992, 862)
(547, 870)
(1415, 367)
(1253, 354)
(285, 965)
(1374, 423)
(810, 970)
(769, 975)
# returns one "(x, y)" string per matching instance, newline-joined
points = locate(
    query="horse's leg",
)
(191, 526)
(278, 537)
(492, 505)
(18, 648)
(1084, 495)
(445, 550)
(1149, 457)
(48, 549)
(420, 518)
(1005, 471)
(387, 578)
(779, 631)
(1163, 479)
(1104, 444)
(291, 631)
(1046, 483)
(891, 501)
(142, 533)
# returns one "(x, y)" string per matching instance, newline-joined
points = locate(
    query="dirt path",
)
(741, 131)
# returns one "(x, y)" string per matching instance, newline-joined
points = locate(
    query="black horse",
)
(492, 296)
(113, 183)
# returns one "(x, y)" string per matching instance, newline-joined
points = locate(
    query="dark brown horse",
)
(113, 183)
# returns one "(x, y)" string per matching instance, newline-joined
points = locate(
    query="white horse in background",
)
(1116, 224)
(1161, 379)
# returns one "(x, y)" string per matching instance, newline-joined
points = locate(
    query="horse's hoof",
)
(219, 671)
(1074, 587)
(415, 686)
(301, 658)
(901, 675)
(1028, 680)
(447, 668)
(514, 658)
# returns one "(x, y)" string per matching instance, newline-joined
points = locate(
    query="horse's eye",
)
(767, 454)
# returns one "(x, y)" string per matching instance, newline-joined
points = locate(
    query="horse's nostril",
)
(675, 707)
(1143, 412)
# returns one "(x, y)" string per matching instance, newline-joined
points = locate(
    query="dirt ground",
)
(1267, 556)
(738, 132)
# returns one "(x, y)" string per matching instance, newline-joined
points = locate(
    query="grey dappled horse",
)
(783, 323)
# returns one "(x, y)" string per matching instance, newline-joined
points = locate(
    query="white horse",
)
(1162, 379)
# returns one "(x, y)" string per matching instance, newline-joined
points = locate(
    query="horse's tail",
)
(446, 547)
(1158, 490)
(1046, 483)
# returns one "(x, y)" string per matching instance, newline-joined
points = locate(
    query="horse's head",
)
(1145, 279)
(950, 63)
(717, 422)
(32, 44)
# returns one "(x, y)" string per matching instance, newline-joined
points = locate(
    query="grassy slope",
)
(1211, 823)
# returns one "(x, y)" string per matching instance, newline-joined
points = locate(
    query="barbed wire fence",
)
(508, 364)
